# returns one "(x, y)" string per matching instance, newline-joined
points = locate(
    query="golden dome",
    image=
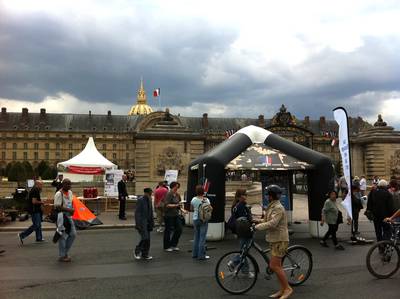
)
(141, 107)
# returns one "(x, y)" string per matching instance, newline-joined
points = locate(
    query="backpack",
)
(205, 211)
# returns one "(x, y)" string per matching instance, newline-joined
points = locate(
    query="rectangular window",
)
(46, 156)
(70, 155)
(46, 146)
(114, 146)
(4, 145)
(3, 155)
(14, 156)
(114, 156)
(14, 146)
(25, 145)
(70, 146)
(127, 146)
(57, 146)
(104, 146)
(36, 146)
(57, 155)
(25, 156)
(36, 156)
(127, 156)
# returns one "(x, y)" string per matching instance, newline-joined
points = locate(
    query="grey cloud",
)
(41, 56)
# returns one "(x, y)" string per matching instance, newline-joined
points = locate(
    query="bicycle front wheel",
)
(236, 274)
(383, 259)
(297, 264)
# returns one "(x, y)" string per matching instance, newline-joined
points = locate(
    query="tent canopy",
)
(262, 157)
(89, 157)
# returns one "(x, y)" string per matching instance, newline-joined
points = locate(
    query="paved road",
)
(103, 268)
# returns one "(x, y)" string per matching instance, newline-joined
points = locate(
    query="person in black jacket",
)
(144, 224)
(57, 183)
(122, 195)
(380, 203)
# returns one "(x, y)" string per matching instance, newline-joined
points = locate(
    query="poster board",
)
(111, 179)
(171, 175)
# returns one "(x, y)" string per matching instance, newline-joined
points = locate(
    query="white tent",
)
(87, 163)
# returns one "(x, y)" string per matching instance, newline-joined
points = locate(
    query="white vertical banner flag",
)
(340, 116)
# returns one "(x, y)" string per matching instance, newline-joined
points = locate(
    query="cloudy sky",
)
(227, 58)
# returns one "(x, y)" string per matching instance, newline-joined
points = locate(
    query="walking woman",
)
(200, 227)
(275, 223)
(330, 215)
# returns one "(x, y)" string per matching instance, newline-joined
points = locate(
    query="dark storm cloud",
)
(41, 56)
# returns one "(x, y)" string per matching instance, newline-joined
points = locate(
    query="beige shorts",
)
(279, 249)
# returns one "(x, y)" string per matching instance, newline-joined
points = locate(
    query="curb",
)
(95, 227)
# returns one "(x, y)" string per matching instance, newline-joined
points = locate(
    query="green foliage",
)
(28, 169)
(50, 173)
(42, 167)
(17, 173)
(8, 167)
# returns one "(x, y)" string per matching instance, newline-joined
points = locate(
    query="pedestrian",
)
(363, 185)
(380, 203)
(275, 223)
(35, 208)
(356, 206)
(144, 224)
(159, 196)
(343, 184)
(122, 196)
(240, 209)
(57, 183)
(173, 224)
(330, 216)
(63, 203)
(394, 190)
(200, 227)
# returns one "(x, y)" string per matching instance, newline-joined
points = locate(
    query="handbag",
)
(182, 219)
(369, 215)
(339, 218)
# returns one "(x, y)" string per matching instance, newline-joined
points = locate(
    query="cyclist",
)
(275, 222)
(393, 217)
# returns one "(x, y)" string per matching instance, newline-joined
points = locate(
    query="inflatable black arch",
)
(211, 165)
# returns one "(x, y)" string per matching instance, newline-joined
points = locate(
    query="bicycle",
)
(383, 258)
(241, 277)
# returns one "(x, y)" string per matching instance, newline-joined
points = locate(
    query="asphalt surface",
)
(103, 267)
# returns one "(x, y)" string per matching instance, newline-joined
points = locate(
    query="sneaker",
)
(323, 243)
(339, 247)
(250, 275)
(148, 257)
(231, 266)
(136, 255)
(41, 241)
(206, 257)
(21, 242)
(175, 248)
(169, 250)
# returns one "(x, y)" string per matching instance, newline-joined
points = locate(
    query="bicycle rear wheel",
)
(297, 264)
(383, 259)
(236, 274)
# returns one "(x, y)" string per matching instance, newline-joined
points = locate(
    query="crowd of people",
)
(383, 206)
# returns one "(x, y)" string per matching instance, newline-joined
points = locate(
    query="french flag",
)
(206, 186)
(267, 160)
(156, 92)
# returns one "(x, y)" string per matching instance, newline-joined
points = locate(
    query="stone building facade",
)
(151, 143)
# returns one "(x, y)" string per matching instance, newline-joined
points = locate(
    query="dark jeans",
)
(122, 204)
(355, 221)
(144, 245)
(331, 232)
(172, 232)
(35, 227)
(236, 258)
(382, 230)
